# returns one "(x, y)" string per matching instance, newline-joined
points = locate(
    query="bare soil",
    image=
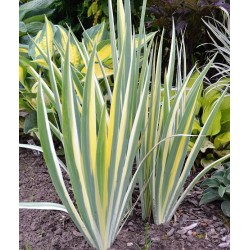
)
(45, 230)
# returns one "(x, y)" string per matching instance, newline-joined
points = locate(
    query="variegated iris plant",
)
(100, 139)
(168, 128)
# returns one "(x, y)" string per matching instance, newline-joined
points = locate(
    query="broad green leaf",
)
(104, 50)
(210, 183)
(23, 49)
(95, 33)
(205, 162)
(221, 190)
(221, 139)
(196, 127)
(38, 16)
(22, 73)
(41, 62)
(209, 196)
(22, 27)
(35, 5)
(225, 127)
(34, 27)
(199, 99)
(61, 37)
(225, 103)
(216, 124)
(222, 153)
(30, 123)
(98, 71)
(40, 40)
(225, 207)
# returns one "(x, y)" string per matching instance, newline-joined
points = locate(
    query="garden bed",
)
(39, 229)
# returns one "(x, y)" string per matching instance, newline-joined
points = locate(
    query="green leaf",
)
(30, 123)
(35, 5)
(40, 40)
(205, 162)
(209, 195)
(94, 7)
(221, 190)
(225, 207)
(34, 28)
(216, 124)
(222, 153)
(213, 183)
(225, 103)
(225, 126)
(22, 27)
(95, 33)
(196, 127)
(37, 16)
(221, 140)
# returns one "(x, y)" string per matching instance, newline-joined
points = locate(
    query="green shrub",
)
(218, 188)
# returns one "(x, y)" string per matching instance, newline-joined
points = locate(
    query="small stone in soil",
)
(218, 224)
(130, 244)
(225, 238)
(155, 239)
(190, 238)
(223, 245)
(223, 230)
(215, 218)
(142, 242)
(59, 231)
(215, 236)
(170, 232)
(130, 223)
(207, 221)
(34, 226)
(55, 241)
(78, 234)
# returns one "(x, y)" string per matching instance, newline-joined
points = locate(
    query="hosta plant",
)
(168, 123)
(100, 139)
(31, 17)
(217, 142)
(218, 188)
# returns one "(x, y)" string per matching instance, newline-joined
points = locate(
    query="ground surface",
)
(193, 228)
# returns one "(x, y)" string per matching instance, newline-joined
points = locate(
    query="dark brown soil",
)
(44, 230)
